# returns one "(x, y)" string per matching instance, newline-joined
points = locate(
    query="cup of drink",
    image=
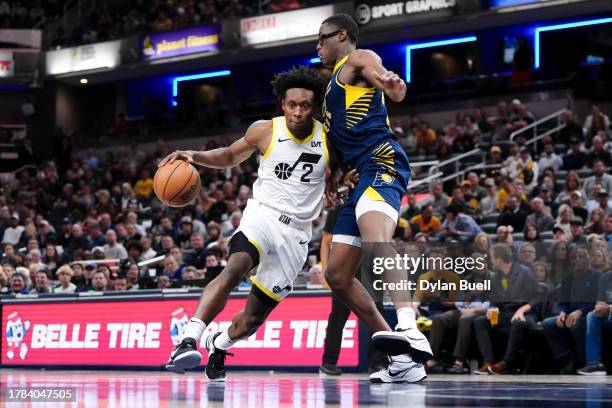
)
(493, 314)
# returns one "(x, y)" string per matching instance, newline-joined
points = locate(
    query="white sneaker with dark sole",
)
(184, 357)
(401, 370)
(410, 341)
(597, 370)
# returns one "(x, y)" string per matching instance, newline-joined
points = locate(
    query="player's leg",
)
(214, 297)
(273, 281)
(377, 221)
(376, 227)
(340, 276)
(244, 324)
(244, 255)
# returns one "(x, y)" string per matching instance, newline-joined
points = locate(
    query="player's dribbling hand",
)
(178, 155)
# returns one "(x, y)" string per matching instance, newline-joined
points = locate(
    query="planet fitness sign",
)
(143, 332)
(181, 42)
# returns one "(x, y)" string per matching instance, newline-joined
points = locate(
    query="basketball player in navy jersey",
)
(277, 224)
(357, 126)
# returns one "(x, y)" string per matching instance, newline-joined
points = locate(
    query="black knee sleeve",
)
(240, 243)
(263, 298)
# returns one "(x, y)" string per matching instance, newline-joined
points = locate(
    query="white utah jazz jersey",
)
(291, 176)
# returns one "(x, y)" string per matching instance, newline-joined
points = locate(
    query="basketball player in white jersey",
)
(276, 228)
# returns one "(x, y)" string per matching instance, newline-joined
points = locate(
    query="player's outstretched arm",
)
(369, 65)
(230, 156)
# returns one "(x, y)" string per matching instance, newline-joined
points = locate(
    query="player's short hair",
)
(301, 77)
(345, 22)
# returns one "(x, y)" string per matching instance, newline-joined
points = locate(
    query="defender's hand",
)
(350, 179)
(392, 82)
(331, 192)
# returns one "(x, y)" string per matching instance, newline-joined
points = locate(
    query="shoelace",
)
(189, 344)
(217, 359)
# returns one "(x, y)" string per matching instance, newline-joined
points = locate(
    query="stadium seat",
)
(484, 146)
(584, 173)
(517, 236)
(546, 235)
(560, 149)
(489, 228)
(490, 218)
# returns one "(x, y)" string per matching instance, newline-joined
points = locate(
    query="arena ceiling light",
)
(193, 77)
(538, 30)
(83, 81)
(430, 44)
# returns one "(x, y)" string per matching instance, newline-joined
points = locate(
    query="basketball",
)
(176, 184)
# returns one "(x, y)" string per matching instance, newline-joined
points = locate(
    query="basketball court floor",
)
(270, 390)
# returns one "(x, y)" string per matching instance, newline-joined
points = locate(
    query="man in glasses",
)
(356, 122)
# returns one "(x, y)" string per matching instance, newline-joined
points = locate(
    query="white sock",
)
(223, 341)
(194, 329)
(405, 318)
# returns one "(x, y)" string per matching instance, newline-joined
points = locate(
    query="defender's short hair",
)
(345, 22)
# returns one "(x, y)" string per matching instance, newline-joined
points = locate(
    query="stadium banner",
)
(84, 57)
(283, 26)
(380, 13)
(22, 40)
(7, 64)
(181, 42)
(143, 332)
(510, 3)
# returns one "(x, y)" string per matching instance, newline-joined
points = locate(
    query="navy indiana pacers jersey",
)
(355, 119)
(356, 122)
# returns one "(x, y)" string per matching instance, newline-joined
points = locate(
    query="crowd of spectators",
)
(27, 13)
(112, 20)
(118, 19)
(545, 210)
(65, 227)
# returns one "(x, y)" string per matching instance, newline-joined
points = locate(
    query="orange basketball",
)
(176, 184)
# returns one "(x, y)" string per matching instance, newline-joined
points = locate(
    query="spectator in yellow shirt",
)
(144, 186)
(426, 138)
(436, 294)
(426, 222)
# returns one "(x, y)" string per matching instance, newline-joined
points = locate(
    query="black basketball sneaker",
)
(215, 368)
(185, 356)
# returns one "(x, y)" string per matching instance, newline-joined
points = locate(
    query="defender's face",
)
(327, 46)
(298, 107)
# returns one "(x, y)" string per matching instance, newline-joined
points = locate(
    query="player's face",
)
(327, 44)
(298, 107)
